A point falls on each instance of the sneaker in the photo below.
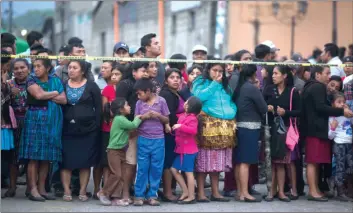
(105, 200)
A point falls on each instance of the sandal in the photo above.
(67, 198)
(83, 198)
(129, 201)
(153, 202)
(119, 202)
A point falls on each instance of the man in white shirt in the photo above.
(330, 56)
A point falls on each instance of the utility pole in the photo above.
(256, 24)
(10, 16)
(334, 22)
(292, 35)
(62, 18)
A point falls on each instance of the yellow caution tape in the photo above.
(165, 60)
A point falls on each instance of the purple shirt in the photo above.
(152, 128)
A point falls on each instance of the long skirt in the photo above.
(216, 141)
(80, 152)
(41, 135)
(209, 160)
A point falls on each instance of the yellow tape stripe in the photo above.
(165, 60)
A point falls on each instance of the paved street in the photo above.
(20, 204)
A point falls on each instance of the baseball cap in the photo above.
(271, 45)
(297, 57)
(121, 45)
(347, 59)
(199, 48)
(134, 49)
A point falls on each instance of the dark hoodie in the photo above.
(316, 110)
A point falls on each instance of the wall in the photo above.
(185, 36)
(313, 31)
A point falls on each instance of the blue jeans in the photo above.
(150, 160)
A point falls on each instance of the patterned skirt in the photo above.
(216, 140)
(39, 141)
(209, 160)
(215, 133)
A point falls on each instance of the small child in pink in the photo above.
(186, 148)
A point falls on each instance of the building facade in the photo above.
(314, 29)
(185, 24)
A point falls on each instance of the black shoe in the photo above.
(256, 200)
(286, 199)
(317, 199)
(48, 197)
(37, 199)
(219, 199)
(182, 202)
(292, 197)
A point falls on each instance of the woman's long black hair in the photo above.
(285, 69)
(248, 71)
(206, 74)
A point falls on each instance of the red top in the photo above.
(185, 76)
(109, 93)
(185, 136)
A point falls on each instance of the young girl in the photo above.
(186, 148)
(150, 142)
(108, 95)
(340, 131)
(118, 141)
(152, 73)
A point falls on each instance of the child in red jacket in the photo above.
(186, 148)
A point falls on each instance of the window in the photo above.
(174, 24)
(103, 41)
(192, 20)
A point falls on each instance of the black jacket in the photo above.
(85, 116)
(316, 110)
(172, 102)
(125, 89)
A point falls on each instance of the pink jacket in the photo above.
(185, 136)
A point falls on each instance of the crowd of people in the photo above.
(161, 125)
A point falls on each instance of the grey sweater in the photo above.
(250, 103)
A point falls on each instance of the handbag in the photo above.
(278, 134)
(292, 133)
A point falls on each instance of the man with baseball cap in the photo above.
(273, 47)
(199, 52)
(136, 52)
(121, 50)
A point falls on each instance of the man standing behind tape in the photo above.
(75, 49)
(330, 56)
(152, 49)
